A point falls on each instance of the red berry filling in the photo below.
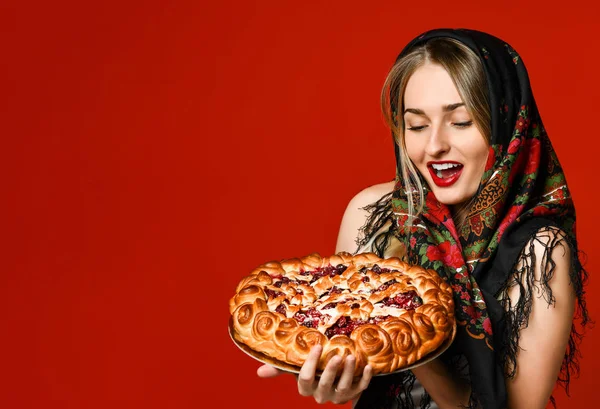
(325, 271)
(384, 285)
(345, 325)
(310, 318)
(407, 301)
(332, 290)
(284, 280)
(272, 293)
(376, 269)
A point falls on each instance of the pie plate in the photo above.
(283, 366)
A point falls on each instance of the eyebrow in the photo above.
(445, 108)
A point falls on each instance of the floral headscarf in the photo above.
(523, 194)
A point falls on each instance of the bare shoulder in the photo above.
(548, 248)
(545, 264)
(369, 195)
(355, 216)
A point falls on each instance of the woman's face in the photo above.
(441, 138)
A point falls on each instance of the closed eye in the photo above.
(463, 124)
(416, 128)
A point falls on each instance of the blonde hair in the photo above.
(466, 71)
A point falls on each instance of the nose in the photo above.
(437, 142)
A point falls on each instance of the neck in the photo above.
(459, 214)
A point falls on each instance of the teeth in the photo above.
(444, 166)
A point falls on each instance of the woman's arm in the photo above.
(445, 388)
(544, 341)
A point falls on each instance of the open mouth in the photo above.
(445, 174)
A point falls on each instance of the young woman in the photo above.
(481, 198)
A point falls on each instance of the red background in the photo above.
(153, 153)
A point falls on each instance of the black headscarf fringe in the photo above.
(380, 215)
(517, 315)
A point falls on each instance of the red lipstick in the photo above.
(444, 181)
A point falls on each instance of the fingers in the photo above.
(344, 386)
(366, 378)
(325, 389)
(268, 371)
(306, 377)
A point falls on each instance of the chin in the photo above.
(451, 200)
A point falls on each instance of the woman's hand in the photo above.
(268, 371)
(324, 388)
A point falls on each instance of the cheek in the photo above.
(414, 150)
(479, 155)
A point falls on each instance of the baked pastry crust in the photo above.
(385, 312)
